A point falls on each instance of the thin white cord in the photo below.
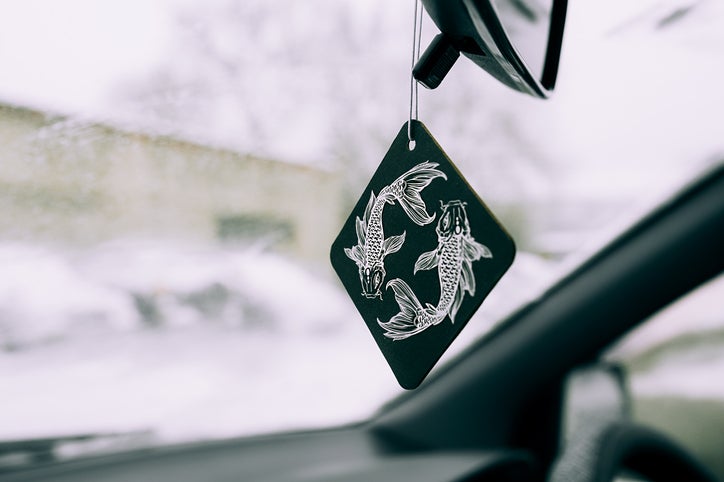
(416, 40)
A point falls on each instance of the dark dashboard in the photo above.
(347, 455)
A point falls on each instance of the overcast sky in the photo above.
(627, 90)
(49, 60)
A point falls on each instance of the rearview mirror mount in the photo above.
(516, 41)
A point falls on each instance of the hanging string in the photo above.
(416, 40)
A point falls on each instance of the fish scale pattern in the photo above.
(449, 270)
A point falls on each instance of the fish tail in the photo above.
(403, 324)
(407, 188)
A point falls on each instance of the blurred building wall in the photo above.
(78, 182)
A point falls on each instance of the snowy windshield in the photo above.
(173, 173)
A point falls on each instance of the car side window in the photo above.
(674, 364)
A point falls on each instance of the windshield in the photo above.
(173, 173)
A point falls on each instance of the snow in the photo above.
(83, 357)
(126, 285)
(55, 45)
(65, 298)
(190, 383)
(270, 347)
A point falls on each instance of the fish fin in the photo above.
(427, 260)
(355, 254)
(393, 244)
(467, 278)
(368, 209)
(415, 180)
(459, 295)
(473, 251)
(405, 297)
(397, 334)
(361, 229)
(402, 325)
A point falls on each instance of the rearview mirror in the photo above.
(516, 41)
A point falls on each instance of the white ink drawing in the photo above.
(372, 247)
(453, 257)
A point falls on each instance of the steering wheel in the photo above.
(601, 456)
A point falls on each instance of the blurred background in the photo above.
(173, 173)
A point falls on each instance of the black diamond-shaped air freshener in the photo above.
(419, 254)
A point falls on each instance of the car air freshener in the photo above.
(418, 254)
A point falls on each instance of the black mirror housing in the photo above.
(475, 29)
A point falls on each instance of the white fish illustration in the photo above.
(453, 257)
(372, 247)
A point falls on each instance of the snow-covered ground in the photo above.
(188, 383)
(188, 342)
(48, 294)
(191, 342)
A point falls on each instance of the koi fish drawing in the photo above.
(453, 257)
(372, 247)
